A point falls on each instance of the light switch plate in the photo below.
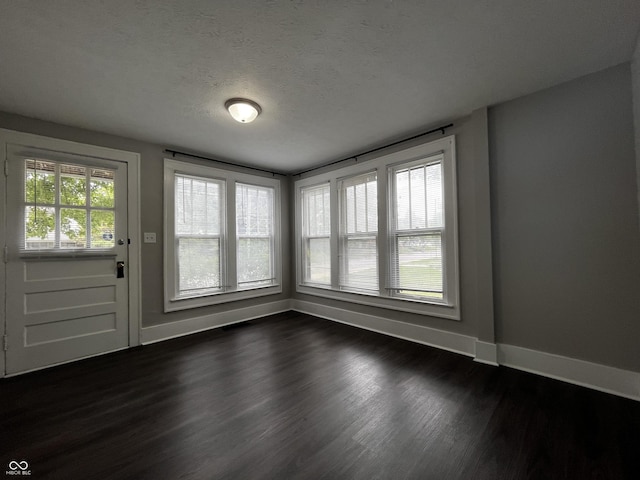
(149, 237)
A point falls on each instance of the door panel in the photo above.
(65, 215)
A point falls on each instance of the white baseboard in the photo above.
(453, 342)
(607, 379)
(165, 331)
(486, 353)
(619, 382)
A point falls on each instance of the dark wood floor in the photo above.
(296, 397)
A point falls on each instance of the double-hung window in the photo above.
(255, 235)
(222, 235)
(383, 232)
(316, 235)
(198, 235)
(417, 229)
(358, 232)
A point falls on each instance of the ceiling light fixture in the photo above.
(243, 110)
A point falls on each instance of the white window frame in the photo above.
(270, 237)
(344, 236)
(230, 291)
(57, 206)
(306, 239)
(448, 307)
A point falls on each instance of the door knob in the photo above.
(119, 269)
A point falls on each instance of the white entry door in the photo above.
(66, 257)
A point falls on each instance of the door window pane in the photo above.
(40, 182)
(73, 228)
(102, 191)
(102, 228)
(40, 228)
(56, 197)
(73, 185)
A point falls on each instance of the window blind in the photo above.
(199, 207)
(358, 206)
(255, 234)
(316, 234)
(67, 207)
(418, 230)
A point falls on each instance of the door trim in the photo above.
(132, 159)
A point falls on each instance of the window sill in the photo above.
(432, 309)
(69, 253)
(173, 305)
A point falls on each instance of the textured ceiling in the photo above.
(333, 78)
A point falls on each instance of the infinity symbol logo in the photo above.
(23, 465)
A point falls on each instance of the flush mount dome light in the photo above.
(243, 110)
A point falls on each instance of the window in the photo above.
(67, 206)
(221, 236)
(255, 235)
(199, 235)
(358, 207)
(316, 236)
(417, 230)
(383, 232)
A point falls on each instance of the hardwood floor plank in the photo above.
(296, 397)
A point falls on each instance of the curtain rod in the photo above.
(439, 129)
(185, 154)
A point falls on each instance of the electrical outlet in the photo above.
(149, 237)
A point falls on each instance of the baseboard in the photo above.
(486, 353)
(452, 342)
(165, 331)
(619, 382)
(607, 379)
(73, 360)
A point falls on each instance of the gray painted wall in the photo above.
(152, 215)
(566, 240)
(635, 73)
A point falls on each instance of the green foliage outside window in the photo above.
(40, 196)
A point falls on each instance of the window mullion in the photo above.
(87, 207)
(334, 247)
(410, 197)
(366, 206)
(230, 263)
(383, 233)
(56, 209)
(426, 196)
